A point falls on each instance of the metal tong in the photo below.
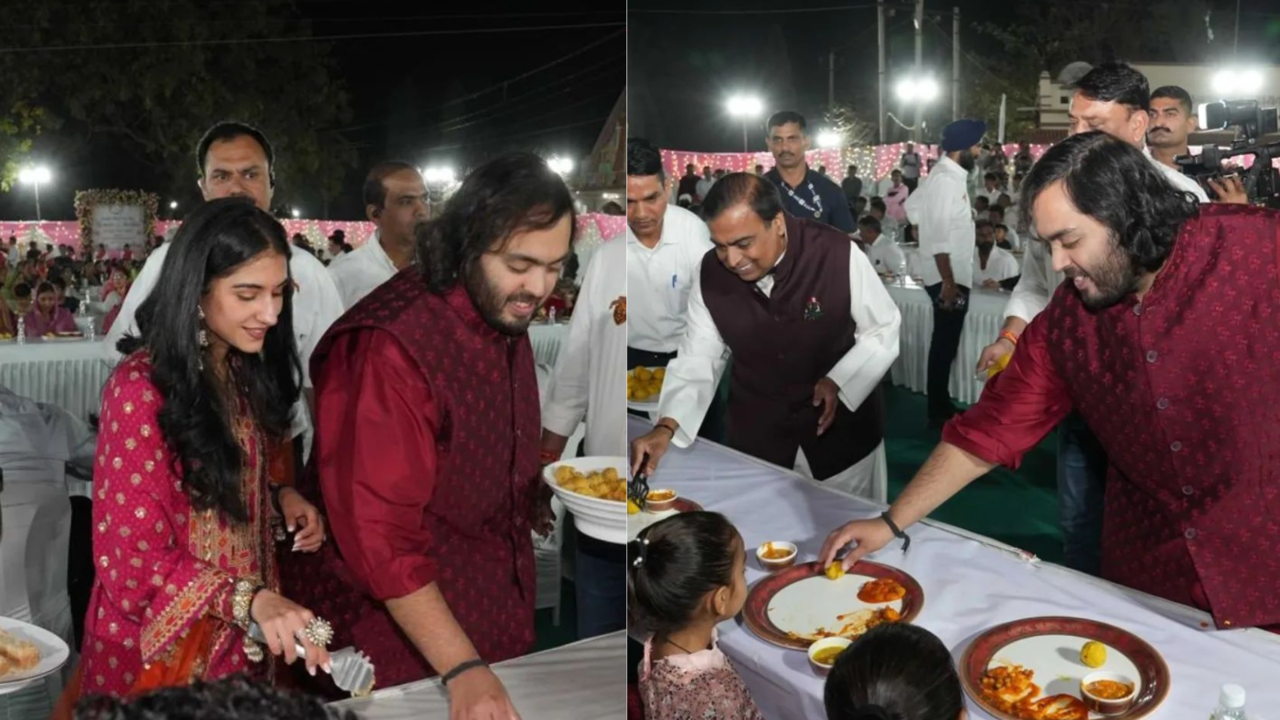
(638, 488)
(351, 669)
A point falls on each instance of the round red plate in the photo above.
(755, 613)
(1151, 666)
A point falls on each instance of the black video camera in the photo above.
(1261, 181)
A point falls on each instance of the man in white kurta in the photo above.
(693, 376)
(395, 199)
(885, 255)
(992, 264)
(942, 210)
(236, 163)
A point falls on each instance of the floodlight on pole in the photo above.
(830, 139)
(746, 108)
(35, 177)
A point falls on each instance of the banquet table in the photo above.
(981, 328)
(970, 584)
(546, 339)
(66, 373)
(585, 680)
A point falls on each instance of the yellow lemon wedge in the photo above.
(835, 570)
(1093, 654)
(632, 507)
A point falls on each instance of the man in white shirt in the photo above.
(1173, 119)
(992, 264)
(943, 213)
(395, 200)
(236, 160)
(885, 255)
(587, 382)
(991, 189)
(805, 377)
(665, 245)
(911, 165)
(707, 182)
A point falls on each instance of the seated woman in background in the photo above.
(46, 316)
(115, 290)
(8, 323)
(895, 671)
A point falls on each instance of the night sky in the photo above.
(685, 64)
(431, 100)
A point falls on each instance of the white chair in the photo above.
(33, 581)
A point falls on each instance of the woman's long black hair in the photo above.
(512, 193)
(213, 241)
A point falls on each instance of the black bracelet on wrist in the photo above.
(665, 427)
(897, 531)
(461, 668)
(275, 490)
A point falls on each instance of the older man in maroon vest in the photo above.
(1167, 341)
(812, 331)
(427, 450)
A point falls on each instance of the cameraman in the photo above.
(1172, 122)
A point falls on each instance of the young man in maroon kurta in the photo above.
(1167, 340)
(427, 442)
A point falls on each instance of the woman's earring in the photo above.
(202, 336)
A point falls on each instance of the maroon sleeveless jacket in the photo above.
(783, 344)
(484, 385)
(1183, 391)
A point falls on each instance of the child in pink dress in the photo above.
(685, 575)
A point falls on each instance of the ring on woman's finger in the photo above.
(319, 632)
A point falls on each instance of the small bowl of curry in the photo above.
(1108, 693)
(823, 654)
(660, 500)
(775, 555)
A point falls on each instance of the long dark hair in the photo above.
(213, 241)
(894, 671)
(513, 193)
(1114, 183)
(673, 564)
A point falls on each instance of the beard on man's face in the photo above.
(490, 303)
(967, 160)
(1113, 280)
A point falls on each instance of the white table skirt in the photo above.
(586, 679)
(68, 374)
(981, 328)
(970, 584)
(546, 341)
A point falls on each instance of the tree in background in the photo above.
(149, 76)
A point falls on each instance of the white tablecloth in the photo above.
(68, 374)
(584, 681)
(970, 585)
(546, 341)
(981, 328)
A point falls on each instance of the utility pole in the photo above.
(955, 64)
(880, 41)
(831, 80)
(919, 23)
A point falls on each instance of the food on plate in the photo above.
(1006, 686)
(882, 591)
(660, 495)
(17, 654)
(769, 552)
(1093, 654)
(601, 484)
(632, 507)
(835, 570)
(643, 383)
(856, 624)
(1109, 689)
(1011, 689)
(827, 656)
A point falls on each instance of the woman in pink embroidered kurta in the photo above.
(183, 507)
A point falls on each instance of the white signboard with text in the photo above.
(118, 225)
